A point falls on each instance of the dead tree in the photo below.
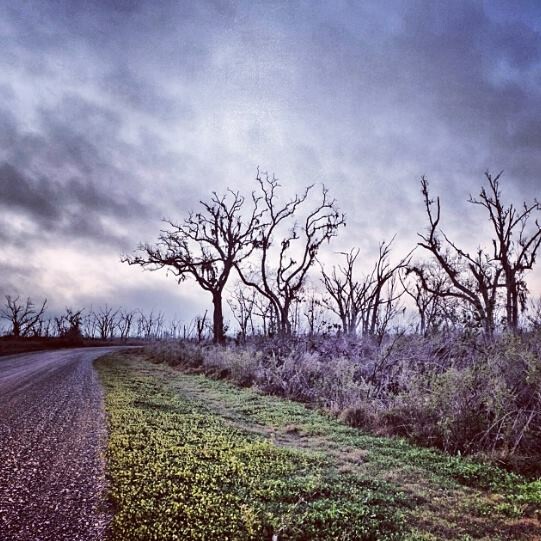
(206, 246)
(281, 283)
(369, 303)
(89, 324)
(46, 327)
(105, 319)
(382, 295)
(188, 330)
(264, 310)
(383, 307)
(347, 294)
(125, 322)
(75, 320)
(515, 245)
(534, 315)
(42, 327)
(200, 325)
(174, 328)
(314, 312)
(150, 326)
(24, 317)
(242, 305)
(474, 280)
(60, 325)
(68, 324)
(434, 310)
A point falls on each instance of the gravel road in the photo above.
(52, 438)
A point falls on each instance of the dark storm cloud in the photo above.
(62, 177)
(172, 36)
(475, 73)
(442, 63)
(35, 198)
(74, 132)
(72, 173)
(74, 209)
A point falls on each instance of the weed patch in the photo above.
(178, 472)
(195, 458)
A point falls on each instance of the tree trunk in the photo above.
(218, 319)
(422, 323)
(489, 325)
(283, 320)
(349, 325)
(512, 303)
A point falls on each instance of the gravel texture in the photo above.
(52, 441)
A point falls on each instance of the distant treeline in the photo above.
(23, 318)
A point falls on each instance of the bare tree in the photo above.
(188, 330)
(383, 305)
(46, 327)
(242, 305)
(282, 282)
(24, 317)
(88, 323)
(314, 312)
(348, 296)
(382, 296)
(68, 324)
(515, 245)
(434, 310)
(206, 246)
(125, 322)
(105, 318)
(150, 326)
(60, 325)
(264, 310)
(371, 302)
(472, 279)
(534, 315)
(200, 325)
(174, 328)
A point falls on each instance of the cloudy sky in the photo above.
(114, 114)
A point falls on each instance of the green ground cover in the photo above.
(194, 458)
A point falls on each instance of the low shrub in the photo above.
(176, 353)
(491, 407)
(458, 393)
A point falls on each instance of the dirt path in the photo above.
(52, 435)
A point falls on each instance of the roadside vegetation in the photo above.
(194, 458)
(459, 394)
(180, 471)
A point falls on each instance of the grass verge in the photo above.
(194, 458)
